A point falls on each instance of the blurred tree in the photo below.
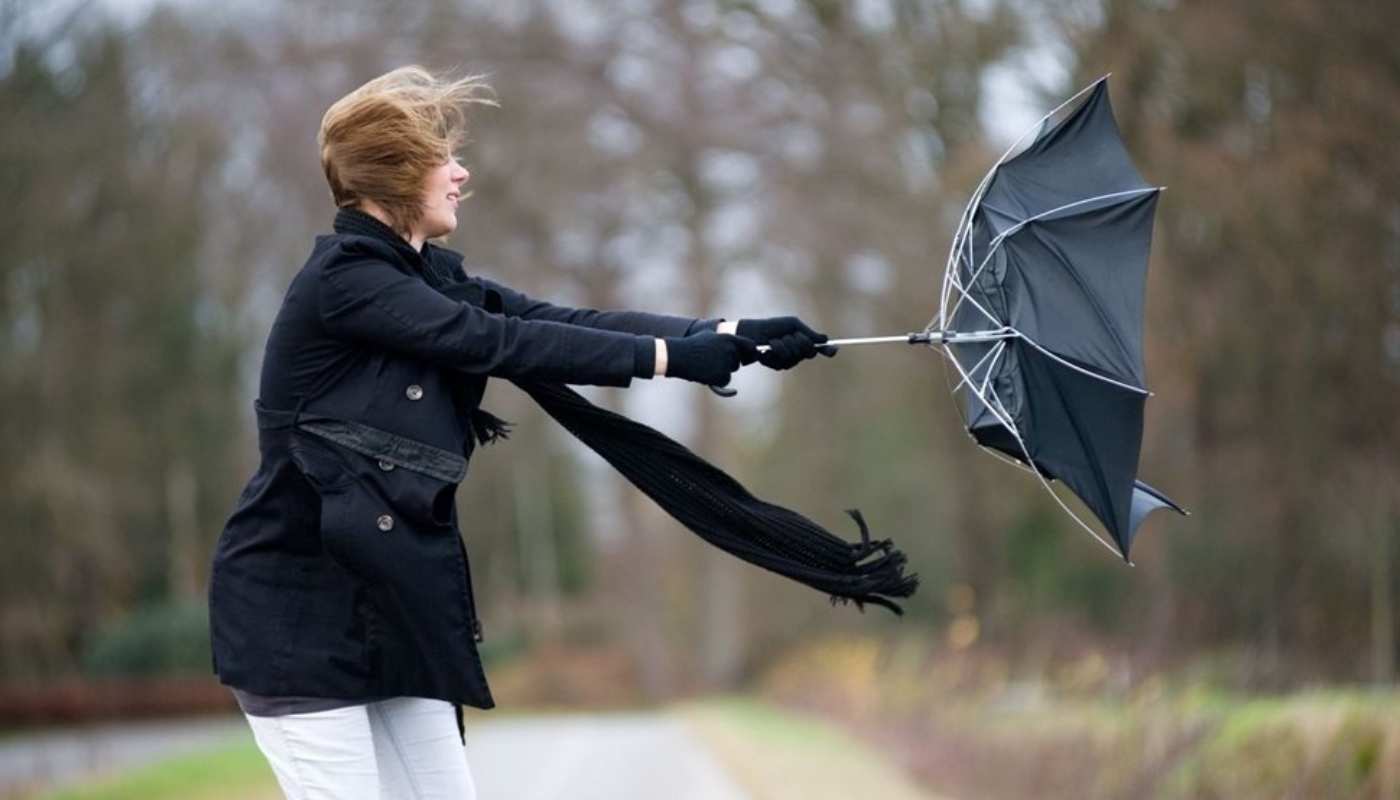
(119, 371)
(1276, 298)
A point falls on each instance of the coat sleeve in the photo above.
(518, 304)
(364, 300)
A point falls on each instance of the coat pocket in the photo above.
(415, 480)
(386, 500)
(359, 530)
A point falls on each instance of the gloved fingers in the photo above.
(828, 350)
(723, 367)
(780, 327)
(747, 350)
(777, 355)
(806, 330)
(788, 351)
(797, 347)
(767, 329)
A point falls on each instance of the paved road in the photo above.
(594, 756)
(575, 756)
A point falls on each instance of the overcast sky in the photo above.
(1011, 88)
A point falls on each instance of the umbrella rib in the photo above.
(961, 250)
(965, 295)
(1004, 420)
(998, 349)
(980, 361)
(1005, 459)
(961, 234)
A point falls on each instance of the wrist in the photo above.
(662, 356)
(728, 326)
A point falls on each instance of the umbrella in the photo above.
(1041, 313)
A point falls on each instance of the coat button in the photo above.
(414, 391)
(385, 522)
(386, 465)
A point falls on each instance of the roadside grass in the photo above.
(775, 753)
(1337, 743)
(973, 724)
(232, 771)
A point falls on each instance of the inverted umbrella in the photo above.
(1041, 312)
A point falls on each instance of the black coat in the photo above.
(341, 571)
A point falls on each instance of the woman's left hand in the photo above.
(790, 340)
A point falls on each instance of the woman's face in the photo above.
(441, 191)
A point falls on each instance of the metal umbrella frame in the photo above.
(974, 351)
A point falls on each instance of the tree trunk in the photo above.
(1383, 602)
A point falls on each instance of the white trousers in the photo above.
(403, 748)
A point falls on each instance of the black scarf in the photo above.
(699, 495)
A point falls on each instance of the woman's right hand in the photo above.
(709, 358)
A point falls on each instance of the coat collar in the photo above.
(354, 221)
(427, 262)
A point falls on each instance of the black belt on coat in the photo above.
(394, 448)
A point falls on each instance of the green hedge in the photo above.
(164, 639)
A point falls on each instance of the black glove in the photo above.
(708, 357)
(789, 339)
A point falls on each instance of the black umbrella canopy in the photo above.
(1050, 265)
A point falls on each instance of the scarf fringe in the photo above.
(488, 428)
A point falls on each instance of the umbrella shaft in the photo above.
(926, 337)
(875, 340)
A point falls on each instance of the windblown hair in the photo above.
(380, 141)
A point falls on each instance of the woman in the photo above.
(341, 608)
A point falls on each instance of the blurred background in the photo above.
(701, 157)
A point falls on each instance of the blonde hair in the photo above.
(380, 141)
